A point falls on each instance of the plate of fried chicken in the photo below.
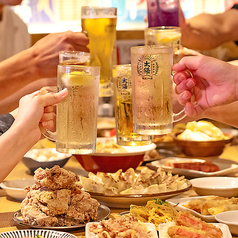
(57, 201)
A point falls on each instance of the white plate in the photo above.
(102, 213)
(124, 201)
(179, 202)
(224, 228)
(15, 188)
(226, 167)
(219, 186)
(150, 226)
(33, 233)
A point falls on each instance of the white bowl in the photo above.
(219, 186)
(229, 218)
(15, 188)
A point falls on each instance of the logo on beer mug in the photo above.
(123, 84)
(147, 67)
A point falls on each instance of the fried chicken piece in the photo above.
(55, 178)
(48, 206)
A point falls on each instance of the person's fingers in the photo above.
(49, 109)
(80, 41)
(53, 98)
(190, 63)
(193, 110)
(184, 97)
(187, 84)
(47, 117)
(48, 125)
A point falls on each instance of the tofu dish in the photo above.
(57, 199)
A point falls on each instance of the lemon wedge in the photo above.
(77, 78)
(168, 37)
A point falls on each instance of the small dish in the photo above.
(179, 203)
(219, 186)
(15, 188)
(34, 233)
(230, 218)
(225, 167)
(150, 226)
(33, 164)
(203, 148)
(224, 228)
(102, 213)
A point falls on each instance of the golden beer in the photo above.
(124, 114)
(100, 26)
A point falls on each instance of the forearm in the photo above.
(207, 31)
(13, 145)
(226, 114)
(17, 71)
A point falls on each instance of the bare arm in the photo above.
(39, 61)
(207, 31)
(12, 101)
(25, 131)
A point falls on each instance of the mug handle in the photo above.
(47, 133)
(179, 116)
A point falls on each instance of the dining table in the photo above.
(8, 205)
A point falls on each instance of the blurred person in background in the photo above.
(207, 31)
(37, 62)
(14, 38)
(24, 70)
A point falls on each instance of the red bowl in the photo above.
(112, 162)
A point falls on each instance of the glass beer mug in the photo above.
(76, 121)
(152, 88)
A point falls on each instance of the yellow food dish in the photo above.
(202, 131)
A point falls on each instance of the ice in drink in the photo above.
(165, 35)
(152, 89)
(77, 114)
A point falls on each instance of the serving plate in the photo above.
(33, 233)
(226, 167)
(125, 200)
(150, 226)
(224, 228)
(179, 202)
(102, 213)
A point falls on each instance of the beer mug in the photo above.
(99, 23)
(168, 35)
(152, 88)
(74, 58)
(123, 105)
(76, 120)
